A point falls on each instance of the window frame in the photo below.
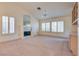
(2, 26)
(45, 27)
(9, 26)
(51, 26)
(63, 26)
(41, 27)
(56, 27)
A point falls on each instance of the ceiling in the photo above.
(52, 8)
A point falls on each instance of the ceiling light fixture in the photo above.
(45, 13)
(38, 8)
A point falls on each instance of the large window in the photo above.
(4, 24)
(7, 25)
(56, 26)
(12, 25)
(60, 26)
(46, 27)
(43, 26)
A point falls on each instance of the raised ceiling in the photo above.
(52, 8)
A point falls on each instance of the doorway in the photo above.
(27, 25)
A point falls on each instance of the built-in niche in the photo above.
(27, 25)
(75, 13)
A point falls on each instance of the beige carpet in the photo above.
(36, 46)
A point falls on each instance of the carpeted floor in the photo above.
(36, 46)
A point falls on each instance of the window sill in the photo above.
(8, 34)
(52, 32)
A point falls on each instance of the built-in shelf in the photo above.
(75, 21)
(75, 13)
(73, 36)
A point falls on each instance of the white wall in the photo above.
(35, 26)
(67, 26)
(10, 11)
(18, 13)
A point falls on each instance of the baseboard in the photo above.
(55, 36)
(10, 40)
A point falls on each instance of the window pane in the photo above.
(4, 24)
(12, 25)
(47, 27)
(43, 26)
(54, 26)
(60, 26)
